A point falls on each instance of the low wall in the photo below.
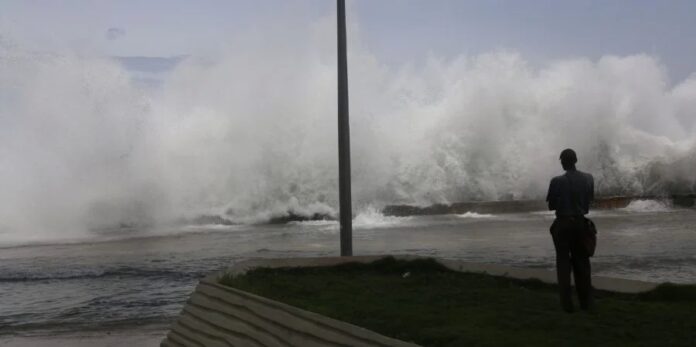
(217, 315)
(520, 206)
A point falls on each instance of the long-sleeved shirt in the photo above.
(571, 194)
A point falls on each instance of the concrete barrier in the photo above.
(521, 206)
(217, 315)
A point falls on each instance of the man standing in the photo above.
(570, 196)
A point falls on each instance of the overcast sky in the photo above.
(395, 30)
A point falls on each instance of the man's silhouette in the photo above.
(570, 196)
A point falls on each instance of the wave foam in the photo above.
(372, 218)
(369, 217)
(647, 206)
(475, 215)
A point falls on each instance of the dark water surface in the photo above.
(146, 279)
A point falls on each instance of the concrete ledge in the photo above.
(217, 315)
(618, 285)
(519, 206)
(599, 282)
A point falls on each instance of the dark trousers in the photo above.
(570, 257)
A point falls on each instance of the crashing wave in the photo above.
(474, 215)
(648, 206)
(83, 146)
(372, 218)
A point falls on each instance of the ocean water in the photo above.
(134, 278)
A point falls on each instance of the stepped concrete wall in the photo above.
(217, 315)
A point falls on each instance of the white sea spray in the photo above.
(251, 133)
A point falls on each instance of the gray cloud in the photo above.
(114, 33)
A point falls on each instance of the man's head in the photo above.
(568, 159)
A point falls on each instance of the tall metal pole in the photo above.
(344, 195)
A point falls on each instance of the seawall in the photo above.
(520, 206)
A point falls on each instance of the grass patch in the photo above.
(434, 306)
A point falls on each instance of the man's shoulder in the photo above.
(587, 175)
(557, 179)
(561, 178)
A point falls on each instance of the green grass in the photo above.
(435, 306)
